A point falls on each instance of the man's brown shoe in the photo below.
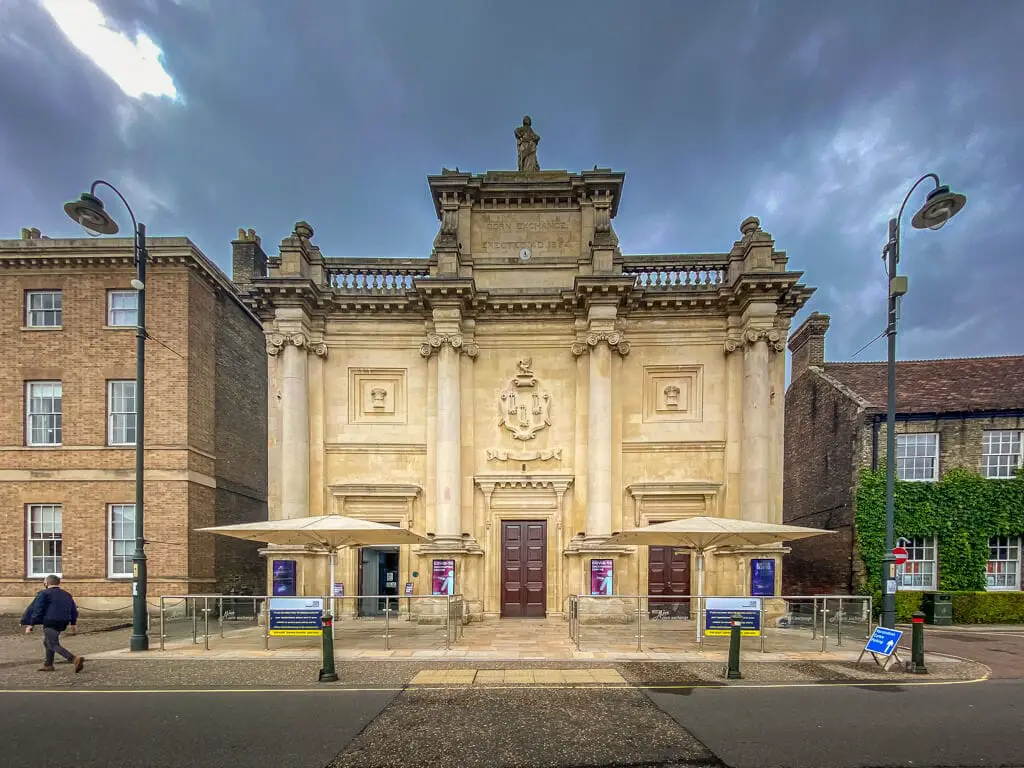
(78, 662)
(46, 668)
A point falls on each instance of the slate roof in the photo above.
(938, 386)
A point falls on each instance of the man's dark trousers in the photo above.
(51, 642)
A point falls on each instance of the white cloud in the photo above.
(146, 199)
(134, 66)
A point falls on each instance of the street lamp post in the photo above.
(940, 206)
(88, 211)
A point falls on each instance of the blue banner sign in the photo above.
(296, 616)
(284, 577)
(720, 611)
(883, 641)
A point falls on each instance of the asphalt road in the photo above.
(1002, 651)
(877, 726)
(181, 730)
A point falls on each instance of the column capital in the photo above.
(277, 341)
(435, 341)
(613, 339)
(773, 336)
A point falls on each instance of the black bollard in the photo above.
(733, 672)
(327, 673)
(916, 663)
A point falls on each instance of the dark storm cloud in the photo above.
(816, 117)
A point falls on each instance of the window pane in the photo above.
(121, 410)
(45, 544)
(122, 538)
(122, 308)
(1003, 569)
(1001, 453)
(917, 456)
(43, 309)
(44, 419)
(919, 570)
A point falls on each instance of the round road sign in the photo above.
(900, 553)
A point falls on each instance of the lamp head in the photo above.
(88, 211)
(940, 207)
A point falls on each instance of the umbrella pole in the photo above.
(700, 590)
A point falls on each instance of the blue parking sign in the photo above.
(883, 641)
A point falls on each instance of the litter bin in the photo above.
(938, 608)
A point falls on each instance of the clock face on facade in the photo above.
(525, 254)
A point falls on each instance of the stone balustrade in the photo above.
(675, 272)
(376, 276)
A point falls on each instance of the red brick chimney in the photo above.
(807, 344)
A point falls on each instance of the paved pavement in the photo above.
(961, 725)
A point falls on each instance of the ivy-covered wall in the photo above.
(963, 509)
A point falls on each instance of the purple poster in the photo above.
(444, 577)
(602, 574)
(762, 577)
(284, 578)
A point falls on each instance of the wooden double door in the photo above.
(524, 569)
(668, 583)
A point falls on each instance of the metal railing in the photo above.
(786, 620)
(366, 612)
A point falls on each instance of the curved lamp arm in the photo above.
(116, 191)
(903, 205)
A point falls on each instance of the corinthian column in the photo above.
(294, 420)
(599, 429)
(756, 435)
(449, 433)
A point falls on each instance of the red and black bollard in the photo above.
(733, 671)
(916, 664)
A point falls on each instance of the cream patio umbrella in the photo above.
(703, 534)
(329, 532)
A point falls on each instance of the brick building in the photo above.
(67, 433)
(966, 412)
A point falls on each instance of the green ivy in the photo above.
(963, 509)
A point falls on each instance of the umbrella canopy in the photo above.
(331, 532)
(703, 533)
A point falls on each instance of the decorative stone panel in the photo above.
(673, 393)
(377, 396)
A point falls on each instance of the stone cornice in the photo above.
(456, 341)
(392, 490)
(277, 341)
(613, 339)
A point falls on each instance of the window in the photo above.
(122, 540)
(1000, 453)
(917, 457)
(44, 539)
(919, 570)
(43, 309)
(43, 412)
(121, 413)
(122, 308)
(1003, 571)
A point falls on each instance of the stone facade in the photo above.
(526, 370)
(205, 419)
(835, 428)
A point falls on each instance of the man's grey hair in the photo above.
(52, 580)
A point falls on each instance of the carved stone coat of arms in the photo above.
(525, 409)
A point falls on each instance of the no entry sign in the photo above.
(900, 553)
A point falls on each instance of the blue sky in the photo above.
(817, 117)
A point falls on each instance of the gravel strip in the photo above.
(524, 727)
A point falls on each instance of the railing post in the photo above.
(161, 623)
(448, 624)
(266, 623)
(764, 620)
(639, 625)
(824, 622)
(387, 624)
(220, 610)
(814, 618)
(206, 623)
(195, 620)
(839, 624)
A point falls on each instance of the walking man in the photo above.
(55, 609)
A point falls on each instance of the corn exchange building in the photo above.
(523, 392)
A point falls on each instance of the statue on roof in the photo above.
(526, 141)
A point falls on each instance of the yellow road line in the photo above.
(434, 687)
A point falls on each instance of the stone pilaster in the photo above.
(448, 497)
(293, 349)
(599, 428)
